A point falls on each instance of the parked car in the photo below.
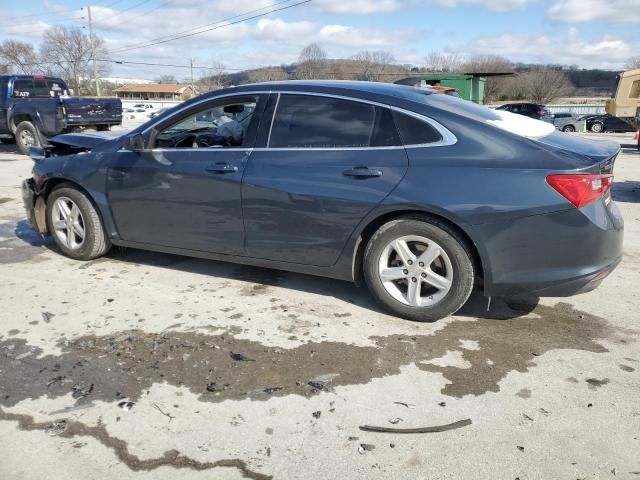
(35, 107)
(566, 122)
(415, 194)
(158, 112)
(532, 110)
(144, 106)
(606, 123)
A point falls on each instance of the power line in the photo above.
(217, 26)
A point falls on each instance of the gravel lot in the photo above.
(152, 366)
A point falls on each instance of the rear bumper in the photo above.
(554, 255)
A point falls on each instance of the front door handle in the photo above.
(362, 172)
(222, 168)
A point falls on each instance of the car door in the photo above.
(183, 191)
(327, 162)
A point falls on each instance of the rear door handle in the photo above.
(362, 172)
(222, 168)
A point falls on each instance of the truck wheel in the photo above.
(27, 136)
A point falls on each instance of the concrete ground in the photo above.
(151, 366)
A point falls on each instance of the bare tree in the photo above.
(494, 86)
(312, 62)
(633, 63)
(375, 66)
(212, 78)
(19, 56)
(68, 53)
(542, 86)
(166, 79)
(267, 74)
(442, 62)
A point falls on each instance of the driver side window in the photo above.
(222, 126)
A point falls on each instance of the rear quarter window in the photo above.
(414, 131)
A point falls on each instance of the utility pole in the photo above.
(191, 64)
(93, 51)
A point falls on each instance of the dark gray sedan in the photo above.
(415, 193)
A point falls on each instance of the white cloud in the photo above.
(605, 52)
(611, 11)
(360, 7)
(495, 5)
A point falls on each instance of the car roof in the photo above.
(368, 90)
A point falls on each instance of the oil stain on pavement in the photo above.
(222, 367)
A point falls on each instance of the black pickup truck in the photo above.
(34, 108)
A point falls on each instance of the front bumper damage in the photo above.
(34, 206)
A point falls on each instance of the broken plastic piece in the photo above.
(56, 428)
(435, 429)
(126, 405)
(365, 447)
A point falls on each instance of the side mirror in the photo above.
(135, 143)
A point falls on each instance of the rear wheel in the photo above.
(569, 128)
(419, 268)
(75, 224)
(27, 136)
(597, 127)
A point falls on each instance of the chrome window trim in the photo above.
(448, 138)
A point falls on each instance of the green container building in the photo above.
(470, 86)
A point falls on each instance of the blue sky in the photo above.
(589, 33)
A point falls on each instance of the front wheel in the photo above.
(75, 224)
(27, 136)
(419, 268)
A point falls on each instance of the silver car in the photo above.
(565, 121)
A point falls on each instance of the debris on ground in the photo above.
(520, 448)
(47, 316)
(325, 378)
(392, 445)
(126, 405)
(238, 357)
(434, 429)
(171, 417)
(404, 404)
(81, 391)
(365, 447)
(527, 417)
(264, 391)
(443, 404)
(56, 428)
(57, 379)
(319, 386)
(212, 387)
(395, 421)
(353, 439)
(316, 414)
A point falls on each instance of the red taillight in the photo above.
(581, 189)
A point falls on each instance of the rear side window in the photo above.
(303, 121)
(23, 88)
(414, 131)
(635, 89)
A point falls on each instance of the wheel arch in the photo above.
(374, 224)
(52, 183)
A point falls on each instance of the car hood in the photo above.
(88, 140)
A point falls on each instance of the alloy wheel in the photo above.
(68, 223)
(415, 271)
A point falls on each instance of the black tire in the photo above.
(96, 243)
(597, 127)
(26, 130)
(454, 245)
(569, 128)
